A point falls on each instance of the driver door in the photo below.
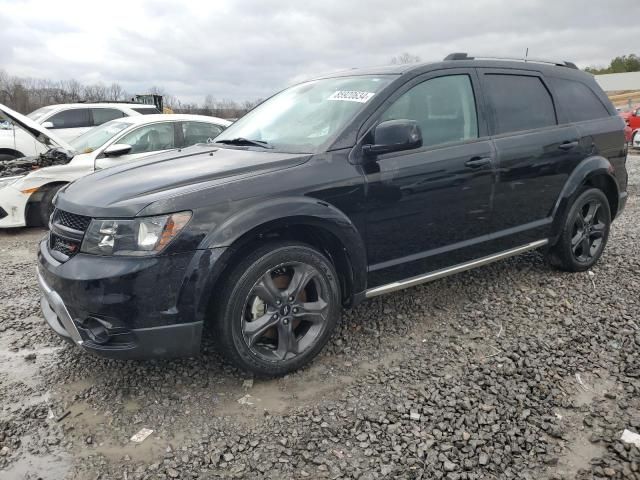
(430, 207)
(144, 141)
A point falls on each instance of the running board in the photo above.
(445, 272)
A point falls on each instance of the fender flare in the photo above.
(588, 168)
(294, 210)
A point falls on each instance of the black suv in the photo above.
(330, 192)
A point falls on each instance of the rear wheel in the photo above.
(585, 232)
(46, 204)
(278, 309)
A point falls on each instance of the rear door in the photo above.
(199, 132)
(535, 154)
(71, 123)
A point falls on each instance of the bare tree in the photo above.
(405, 57)
(27, 94)
(115, 93)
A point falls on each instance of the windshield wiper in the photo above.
(245, 141)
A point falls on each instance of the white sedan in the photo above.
(29, 184)
(69, 120)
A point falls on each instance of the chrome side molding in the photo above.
(445, 272)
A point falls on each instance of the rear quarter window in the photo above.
(519, 102)
(578, 101)
(104, 115)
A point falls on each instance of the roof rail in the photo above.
(129, 102)
(465, 56)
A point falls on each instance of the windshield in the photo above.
(39, 113)
(303, 117)
(97, 137)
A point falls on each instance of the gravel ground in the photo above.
(513, 370)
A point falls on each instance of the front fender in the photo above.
(291, 211)
(588, 168)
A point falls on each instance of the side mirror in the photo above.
(116, 150)
(394, 136)
(47, 125)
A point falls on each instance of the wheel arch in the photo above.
(31, 216)
(594, 171)
(11, 151)
(306, 220)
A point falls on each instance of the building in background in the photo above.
(623, 88)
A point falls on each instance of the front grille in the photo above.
(67, 231)
(63, 245)
(71, 220)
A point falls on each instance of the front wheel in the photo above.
(585, 232)
(278, 308)
(46, 204)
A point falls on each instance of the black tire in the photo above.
(46, 204)
(584, 234)
(245, 333)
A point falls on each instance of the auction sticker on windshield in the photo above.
(351, 96)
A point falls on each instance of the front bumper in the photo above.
(13, 203)
(125, 308)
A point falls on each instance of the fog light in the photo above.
(97, 330)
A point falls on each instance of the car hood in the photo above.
(36, 130)
(123, 191)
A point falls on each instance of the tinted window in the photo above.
(196, 132)
(150, 138)
(147, 111)
(519, 102)
(103, 115)
(74, 118)
(578, 100)
(444, 107)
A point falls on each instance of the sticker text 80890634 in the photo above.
(351, 96)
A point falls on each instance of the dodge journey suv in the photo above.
(330, 192)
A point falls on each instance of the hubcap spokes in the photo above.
(285, 311)
(588, 232)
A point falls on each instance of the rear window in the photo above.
(520, 103)
(41, 112)
(578, 100)
(147, 111)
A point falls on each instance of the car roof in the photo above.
(417, 68)
(160, 117)
(101, 104)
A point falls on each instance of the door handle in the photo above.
(477, 162)
(568, 145)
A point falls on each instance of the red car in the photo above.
(631, 117)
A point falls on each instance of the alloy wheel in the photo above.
(588, 231)
(285, 312)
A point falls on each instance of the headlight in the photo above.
(9, 180)
(140, 236)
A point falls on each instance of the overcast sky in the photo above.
(247, 49)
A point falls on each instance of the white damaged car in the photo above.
(28, 185)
